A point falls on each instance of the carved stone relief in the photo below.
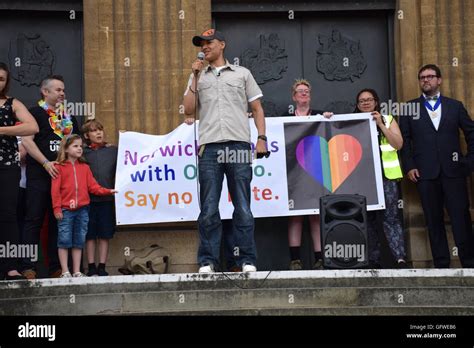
(31, 59)
(269, 62)
(339, 58)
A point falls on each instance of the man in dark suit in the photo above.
(432, 158)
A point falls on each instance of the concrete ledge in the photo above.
(327, 292)
(270, 275)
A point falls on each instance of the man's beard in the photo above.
(428, 88)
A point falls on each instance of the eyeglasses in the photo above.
(303, 91)
(427, 77)
(368, 100)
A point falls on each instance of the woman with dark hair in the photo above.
(15, 120)
(390, 140)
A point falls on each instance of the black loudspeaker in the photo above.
(344, 241)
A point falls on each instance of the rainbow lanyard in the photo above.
(60, 122)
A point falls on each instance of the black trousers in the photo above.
(451, 193)
(38, 204)
(21, 209)
(9, 181)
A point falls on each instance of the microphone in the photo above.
(200, 56)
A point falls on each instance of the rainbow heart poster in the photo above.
(329, 163)
(335, 157)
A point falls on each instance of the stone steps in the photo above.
(328, 292)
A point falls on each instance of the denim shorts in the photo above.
(101, 220)
(72, 229)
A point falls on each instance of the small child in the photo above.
(70, 194)
(102, 159)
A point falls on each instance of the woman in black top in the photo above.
(301, 92)
(12, 112)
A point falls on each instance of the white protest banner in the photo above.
(310, 157)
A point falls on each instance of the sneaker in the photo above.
(65, 275)
(79, 275)
(29, 274)
(318, 264)
(101, 272)
(249, 268)
(402, 264)
(296, 265)
(206, 269)
(92, 271)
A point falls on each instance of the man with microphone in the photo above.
(221, 92)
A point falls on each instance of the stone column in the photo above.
(137, 58)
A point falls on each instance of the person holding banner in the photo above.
(301, 93)
(433, 160)
(390, 140)
(219, 94)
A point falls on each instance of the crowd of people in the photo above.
(428, 141)
(49, 167)
(44, 174)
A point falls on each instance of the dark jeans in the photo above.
(451, 193)
(228, 247)
(21, 209)
(9, 181)
(38, 203)
(239, 175)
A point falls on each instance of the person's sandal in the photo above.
(29, 274)
(66, 275)
(296, 265)
(318, 264)
(79, 275)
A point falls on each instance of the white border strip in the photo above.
(274, 275)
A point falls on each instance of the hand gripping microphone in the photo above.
(200, 56)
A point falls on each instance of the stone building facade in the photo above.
(137, 56)
(156, 35)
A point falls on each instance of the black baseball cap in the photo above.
(209, 34)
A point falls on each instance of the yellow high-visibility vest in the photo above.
(390, 162)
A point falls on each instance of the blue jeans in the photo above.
(212, 168)
(72, 229)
